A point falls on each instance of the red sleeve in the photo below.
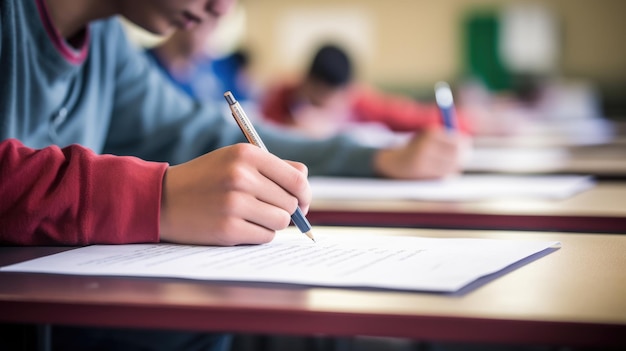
(72, 196)
(399, 113)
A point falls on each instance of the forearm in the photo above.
(72, 196)
(336, 156)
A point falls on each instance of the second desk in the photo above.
(601, 209)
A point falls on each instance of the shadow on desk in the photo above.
(18, 337)
(68, 338)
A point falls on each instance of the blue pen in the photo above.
(443, 95)
(253, 137)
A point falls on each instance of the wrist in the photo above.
(383, 163)
(164, 223)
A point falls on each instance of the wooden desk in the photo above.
(575, 296)
(601, 209)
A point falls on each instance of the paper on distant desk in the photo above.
(517, 159)
(463, 188)
(390, 262)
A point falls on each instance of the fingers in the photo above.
(224, 231)
(243, 219)
(304, 205)
(270, 179)
(441, 154)
(289, 177)
(301, 167)
(437, 154)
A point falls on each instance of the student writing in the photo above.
(74, 88)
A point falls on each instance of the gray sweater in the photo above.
(107, 97)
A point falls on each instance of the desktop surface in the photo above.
(601, 209)
(574, 296)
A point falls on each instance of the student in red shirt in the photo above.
(326, 101)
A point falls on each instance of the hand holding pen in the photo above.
(253, 138)
(237, 194)
(431, 153)
(445, 102)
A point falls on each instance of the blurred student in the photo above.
(326, 100)
(185, 60)
(324, 105)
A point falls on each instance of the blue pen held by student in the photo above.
(445, 101)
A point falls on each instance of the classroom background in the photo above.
(545, 66)
(408, 45)
(527, 67)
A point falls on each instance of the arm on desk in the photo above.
(63, 196)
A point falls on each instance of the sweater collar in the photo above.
(74, 53)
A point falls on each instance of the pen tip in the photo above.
(310, 235)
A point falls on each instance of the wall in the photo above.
(413, 43)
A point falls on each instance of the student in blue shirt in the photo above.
(184, 59)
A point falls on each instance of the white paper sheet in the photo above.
(462, 188)
(362, 260)
(517, 159)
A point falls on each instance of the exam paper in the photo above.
(461, 188)
(363, 260)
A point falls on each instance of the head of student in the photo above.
(329, 73)
(163, 17)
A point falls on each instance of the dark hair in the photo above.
(241, 57)
(331, 65)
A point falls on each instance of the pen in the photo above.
(443, 95)
(253, 137)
